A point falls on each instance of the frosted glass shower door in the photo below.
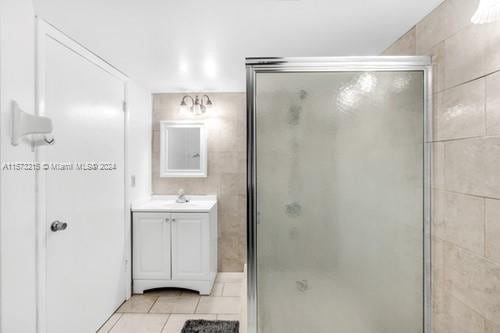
(338, 162)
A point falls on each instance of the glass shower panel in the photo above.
(339, 197)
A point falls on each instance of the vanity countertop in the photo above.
(166, 203)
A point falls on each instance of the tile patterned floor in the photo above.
(166, 310)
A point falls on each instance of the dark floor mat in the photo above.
(211, 326)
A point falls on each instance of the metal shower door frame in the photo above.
(334, 64)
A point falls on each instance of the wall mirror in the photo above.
(183, 149)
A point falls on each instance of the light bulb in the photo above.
(183, 107)
(196, 109)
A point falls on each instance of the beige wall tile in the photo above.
(233, 204)
(463, 52)
(438, 255)
(226, 127)
(233, 183)
(493, 104)
(452, 316)
(432, 29)
(464, 55)
(459, 219)
(224, 161)
(156, 144)
(459, 112)
(193, 186)
(473, 166)
(231, 244)
(438, 62)
(492, 327)
(491, 54)
(472, 53)
(406, 45)
(446, 20)
(438, 179)
(472, 279)
(493, 229)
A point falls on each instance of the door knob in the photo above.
(58, 226)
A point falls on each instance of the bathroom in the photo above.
(174, 167)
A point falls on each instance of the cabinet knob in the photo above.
(173, 219)
(167, 219)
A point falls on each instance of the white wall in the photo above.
(17, 208)
(139, 107)
(17, 189)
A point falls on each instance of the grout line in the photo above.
(197, 303)
(456, 298)
(489, 260)
(474, 137)
(469, 306)
(485, 107)
(482, 76)
(485, 226)
(477, 78)
(120, 315)
(166, 321)
(465, 194)
(153, 304)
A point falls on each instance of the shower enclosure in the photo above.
(338, 195)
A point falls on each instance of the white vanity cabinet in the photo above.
(151, 234)
(190, 246)
(174, 245)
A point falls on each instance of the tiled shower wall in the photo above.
(466, 167)
(226, 129)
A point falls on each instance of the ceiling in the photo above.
(201, 45)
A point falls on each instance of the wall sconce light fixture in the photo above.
(196, 105)
(487, 12)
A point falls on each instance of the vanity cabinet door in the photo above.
(190, 246)
(151, 246)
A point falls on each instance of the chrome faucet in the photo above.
(181, 196)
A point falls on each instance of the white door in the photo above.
(151, 258)
(190, 246)
(85, 279)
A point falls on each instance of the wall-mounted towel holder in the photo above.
(25, 124)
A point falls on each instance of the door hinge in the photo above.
(124, 106)
(125, 266)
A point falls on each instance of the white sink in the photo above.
(202, 203)
(184, 205)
